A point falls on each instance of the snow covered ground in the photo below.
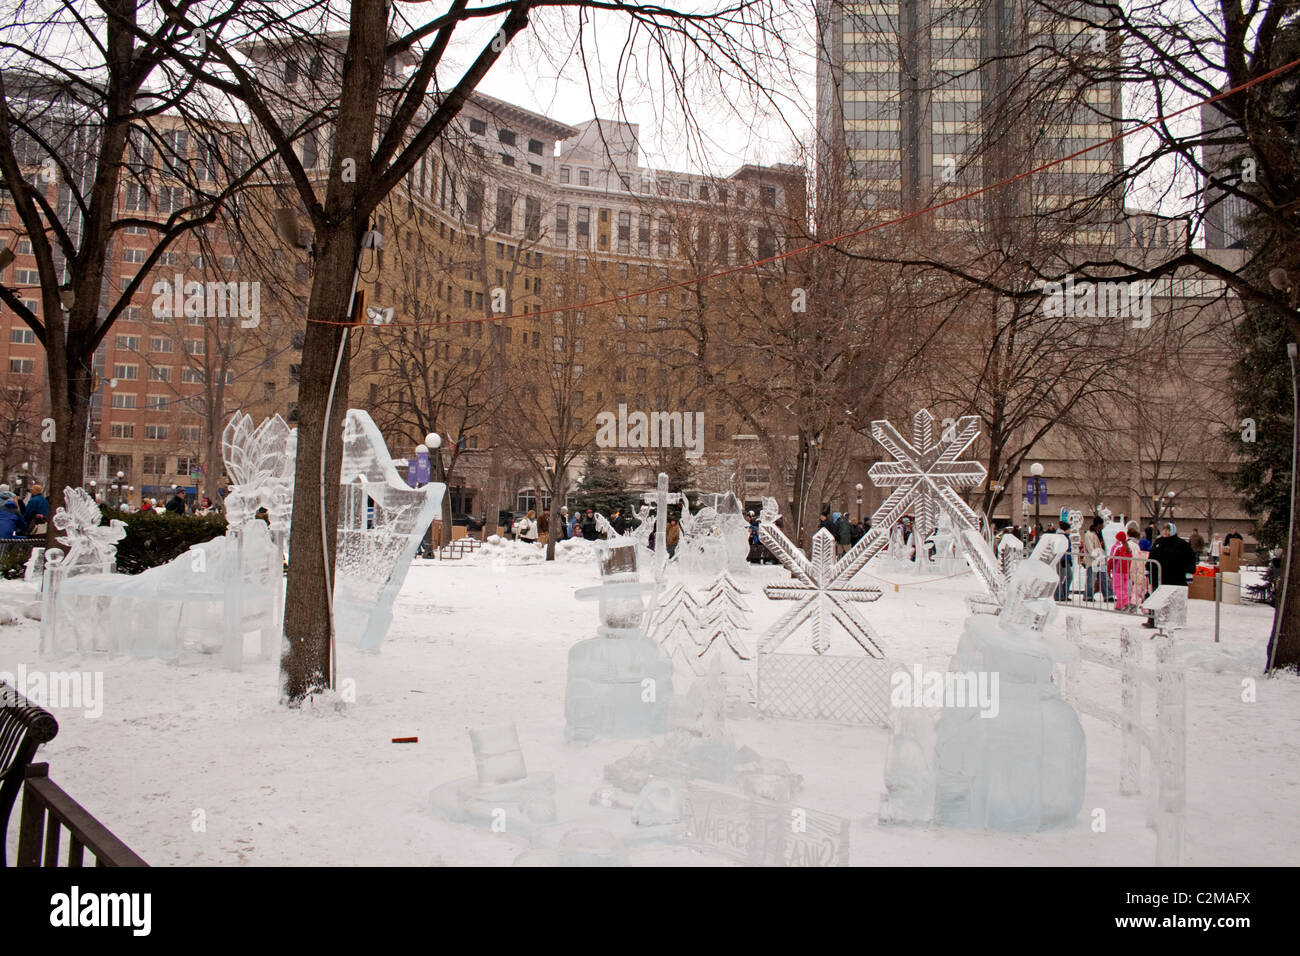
(191, 764)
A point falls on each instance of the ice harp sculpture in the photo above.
(381, 522)
(502, 795)
(1018, 767)
(620, 683)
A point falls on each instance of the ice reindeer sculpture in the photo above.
(1017, 766)
(381, 521)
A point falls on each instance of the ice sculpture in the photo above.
(925, 476)
(503, 796)
(208, 598)
(620, 683)
(381, 522)
(822, 587)
(697, 747)
(676, 627)
(661, 498)
(1011, 551)
(1168, 607)
(714, 538)
(92, 550)
(725, 614)
(1019, 766)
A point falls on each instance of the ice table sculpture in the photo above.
(620, 683)
(1019, 766)
(503, 796)
(381, 522)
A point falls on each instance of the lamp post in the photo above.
(858, 488)
(1036, 469)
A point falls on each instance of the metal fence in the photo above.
(1120, 584)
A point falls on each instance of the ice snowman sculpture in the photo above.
(620, 683)
(1017, 767)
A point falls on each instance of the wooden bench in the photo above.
(47, 811)
(23, 728)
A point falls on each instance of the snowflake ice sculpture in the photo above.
(822, 588)
(88, 542)
(260, 463)
(927, 472)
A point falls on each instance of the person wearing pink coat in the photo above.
(1119, 571)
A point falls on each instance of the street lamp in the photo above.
(858, 488)
(1036, 469)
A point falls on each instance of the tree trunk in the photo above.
(305, 666)
(69, 410)
(1284, 642)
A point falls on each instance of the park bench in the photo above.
(23, 728)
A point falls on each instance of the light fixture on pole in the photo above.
(858, 489)
(1036, 469)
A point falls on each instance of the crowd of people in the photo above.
(1123, 563)
(25, 514)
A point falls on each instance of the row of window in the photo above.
(479, 127)
(185, 433)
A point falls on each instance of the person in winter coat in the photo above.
(1196, 541)
(1094, 556)
(826, 523)
(526, 527)
(575, 526)
(1175, 556)
(37, 506)
(589, 525)
(844, 532)
(176, 505)
(1139, 584)
(673, 535)
(12, 524)
(1118, 570)
(543, 525)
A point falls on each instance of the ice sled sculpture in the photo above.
(620, 683)
(1021, 766)
(502, 795)
(381, 522)
(211, 596)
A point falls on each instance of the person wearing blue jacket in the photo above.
(37, 505)
(12, 524)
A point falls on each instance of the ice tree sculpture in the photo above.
(676, 628)
(725, 615)
(822, 587)
(381, 522)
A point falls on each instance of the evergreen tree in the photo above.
(602, 487)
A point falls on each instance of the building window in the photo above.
(562, 224)
(474, 201)
(122, 431)
(506, 136)
(535, 146)
(624, 232)
(155, 401)
(126, 372)
(131, 343)
(477, 126)
(584, 226)
(584, 177)
(22, 336)
(194, 376)
(534, 169)
(163, 374)
(155, 432)
(290, 72)
(565, 173)
(505, 210)
(507, 159)
(160, 343)
(123, 401)
(768, 196)
(22, 366)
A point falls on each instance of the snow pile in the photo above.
(499, 551)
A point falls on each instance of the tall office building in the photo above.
(924, 100)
